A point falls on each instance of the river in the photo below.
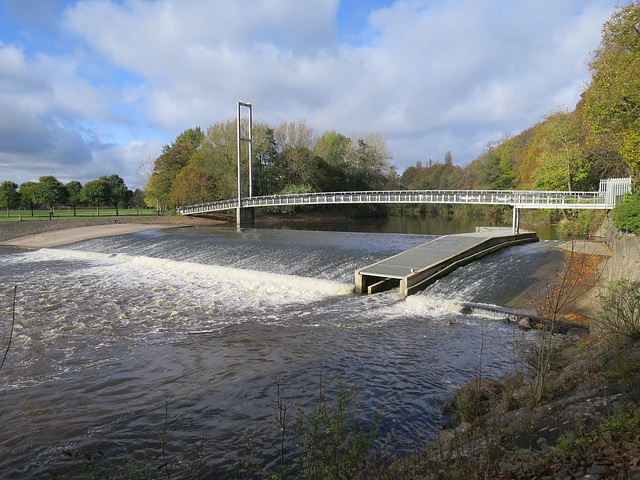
(186, 334)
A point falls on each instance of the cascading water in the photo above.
(203, 324)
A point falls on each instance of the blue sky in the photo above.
(95, 87)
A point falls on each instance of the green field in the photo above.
(83, 212)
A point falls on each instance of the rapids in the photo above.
(189, 332)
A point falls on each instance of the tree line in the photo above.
(201, 166)
(49, 192)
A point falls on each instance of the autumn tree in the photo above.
(193, 185)
(612, 101)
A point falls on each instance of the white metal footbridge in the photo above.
(611, 193)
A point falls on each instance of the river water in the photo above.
(187, 334)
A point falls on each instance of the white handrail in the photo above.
(516, 198)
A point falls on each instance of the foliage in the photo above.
(74, 189)
(9, 195)
(333, 439)
(432, 176)
(198, 168)
(581, 223)
(550, 304)
(494, 169)
(620, 309)
(626, 216)
(118, 191)
(168, 165)
(97, 192)
(612, 101)
(50, 191)
(562, 163)
(28, 195)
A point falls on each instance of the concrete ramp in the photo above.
(417, 268)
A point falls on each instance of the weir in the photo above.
(419, 267)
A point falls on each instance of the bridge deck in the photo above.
(415, 269)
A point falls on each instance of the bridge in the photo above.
(611, 193)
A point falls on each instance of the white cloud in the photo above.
(430, 75)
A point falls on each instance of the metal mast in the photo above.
(240, 139)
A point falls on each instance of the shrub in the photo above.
(626, 216)
(620, 309)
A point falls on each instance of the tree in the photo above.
(167, 166)
(612, 101)
(119, 191)
(9, 196)
(96, 191)
(50, 191)
(28, 195)
(137, 199)
(268, 168)
(193, 185)
(294, 134)
(74, 190)
(562, 164)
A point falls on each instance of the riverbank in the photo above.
(10, 231)
(585, 425)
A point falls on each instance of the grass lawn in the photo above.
(67, 212)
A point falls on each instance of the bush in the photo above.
(334, 440)
(582, 223)
(620, 309)
(626, 216)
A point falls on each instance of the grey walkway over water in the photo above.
(605, 198)
(417, 268)
(610, 193)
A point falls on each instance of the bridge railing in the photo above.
(517, 198)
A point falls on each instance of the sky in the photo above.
(97, 87)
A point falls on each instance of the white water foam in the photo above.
(279, 287)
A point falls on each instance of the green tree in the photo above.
(626, 216)
(120, 194)
(367, 165)
(137, 199)
(50, 191)
(74, 189)
(96, 192)
(268, 168)
(562, 165)
(494, 169)
(167, 166)
(612, 101)
(9, 196)
(28, 195)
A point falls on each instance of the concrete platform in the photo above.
(417, 268)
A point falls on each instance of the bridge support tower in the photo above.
(245, 216)
(516, 220)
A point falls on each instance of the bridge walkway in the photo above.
(417, 268)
